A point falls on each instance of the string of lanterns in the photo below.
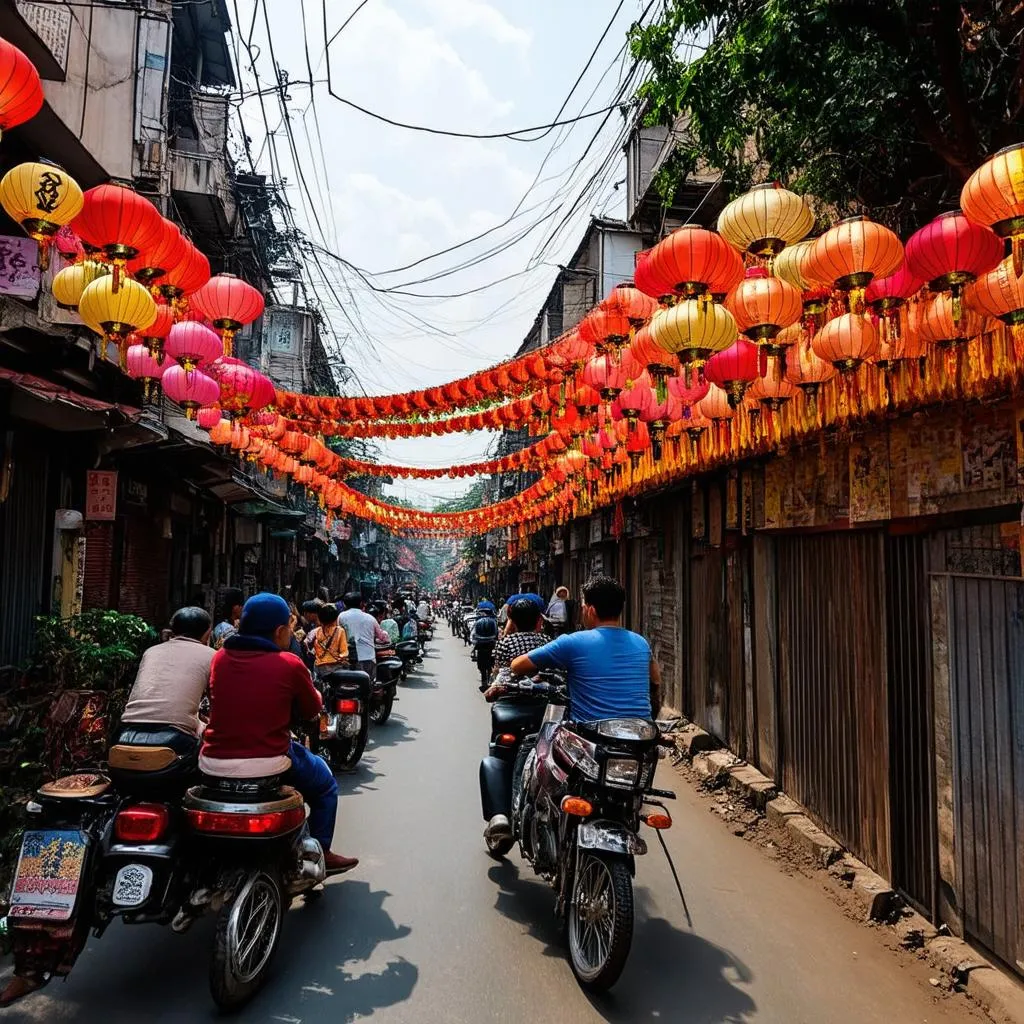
(727, 343)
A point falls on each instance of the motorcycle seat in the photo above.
(143, 748)
(344, 678)
(215, 787)
(408, 647)
(394, 664)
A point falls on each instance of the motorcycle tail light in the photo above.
(347, 707)
(507, 739)
(271, 823)
(577, 806)
(657, 821)
(142, 823)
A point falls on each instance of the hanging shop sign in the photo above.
(19, 267)
(101, 494)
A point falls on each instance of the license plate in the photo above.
(132, 885)
(49, 874)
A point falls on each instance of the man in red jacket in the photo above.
(255, 684)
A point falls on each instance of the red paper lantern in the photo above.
(951, 252)
(994, 196)
(21, 92)
(190, 274)
(734, 369)
(763, 306)
(158, 330)
(118, 221)
(208, 416)
(189, 388)
(846, 342)
(696, 261)
(635, 398)
(229, 303)
(165, 253)
(605, 376)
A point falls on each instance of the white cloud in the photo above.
(480, 17)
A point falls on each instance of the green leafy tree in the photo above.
(473, 498)
(881, 106)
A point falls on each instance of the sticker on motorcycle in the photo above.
(132, 885)
(48, 875)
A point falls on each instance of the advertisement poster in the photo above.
(869, 479)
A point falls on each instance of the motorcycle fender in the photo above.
(610, 838)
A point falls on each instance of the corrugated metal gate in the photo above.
(25, 541)
(716, 695)
(986, 658)
(911, 721)
(832, 682)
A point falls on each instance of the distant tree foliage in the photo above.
(876, 106)
(473, 498)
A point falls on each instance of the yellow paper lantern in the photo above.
(42, 198)
(116, 314)
(765, 220)
(694, 330)
(789, 264)
(69, 284)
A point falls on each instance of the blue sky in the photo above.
(386, 196)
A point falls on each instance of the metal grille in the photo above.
(986, 656)
(832, 669)
(911, 722)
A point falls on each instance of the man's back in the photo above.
(361, 626)
(608, 668)
(252, 694)
(171, 681)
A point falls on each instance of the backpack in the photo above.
(410, 631)
(486, 629)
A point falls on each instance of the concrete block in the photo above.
(751, 785)
(823, 848)
(691, 740)
(872, 891)
(711, 774)
(781, 808)
(1000, 994)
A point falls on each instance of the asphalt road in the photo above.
(429, 929)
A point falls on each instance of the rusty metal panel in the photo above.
(832, 669)
(911, 722)
(986, 656)
(765, 657)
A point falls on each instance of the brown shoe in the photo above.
(16, 989)
(338, 865)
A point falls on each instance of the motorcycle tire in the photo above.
(343, 755)
(381, 712)
(239, 968)
(602, 898)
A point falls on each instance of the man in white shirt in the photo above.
(362, 629)
(423, 612)
(173, 676)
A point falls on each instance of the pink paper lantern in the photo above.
(189, 388)
(208, 416)
(192, 344)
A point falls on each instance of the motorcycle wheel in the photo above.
(497, 848)
(600, 921)
(343, 755)
(381, 712)
(248, 930)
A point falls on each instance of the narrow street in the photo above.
(428, 929)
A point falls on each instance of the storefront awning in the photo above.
(57, 407)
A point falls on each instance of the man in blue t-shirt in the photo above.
(610, 670)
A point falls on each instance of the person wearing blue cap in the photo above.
(254, 684)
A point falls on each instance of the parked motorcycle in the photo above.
(408, 652)
(389, 670)
(578, 800)
(92, 852)
(345, 720)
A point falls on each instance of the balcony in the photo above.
(201, 179)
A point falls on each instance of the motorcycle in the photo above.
(425, 632)
(344, 722)
(385, 686)
(154, 850)
(408, 652)
(578, 799)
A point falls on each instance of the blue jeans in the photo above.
(313, 779)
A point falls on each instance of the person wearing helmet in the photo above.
(484, 636)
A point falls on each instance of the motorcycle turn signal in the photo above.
(577, 806)
(658, 821)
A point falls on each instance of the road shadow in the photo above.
(394, 731)
(671, 974)
(419, 681)
(323, 971)
(362, 778)
(529, 902)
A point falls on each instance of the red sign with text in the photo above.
(100, 494)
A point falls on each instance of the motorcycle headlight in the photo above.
(621, 772)
(578, 751)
